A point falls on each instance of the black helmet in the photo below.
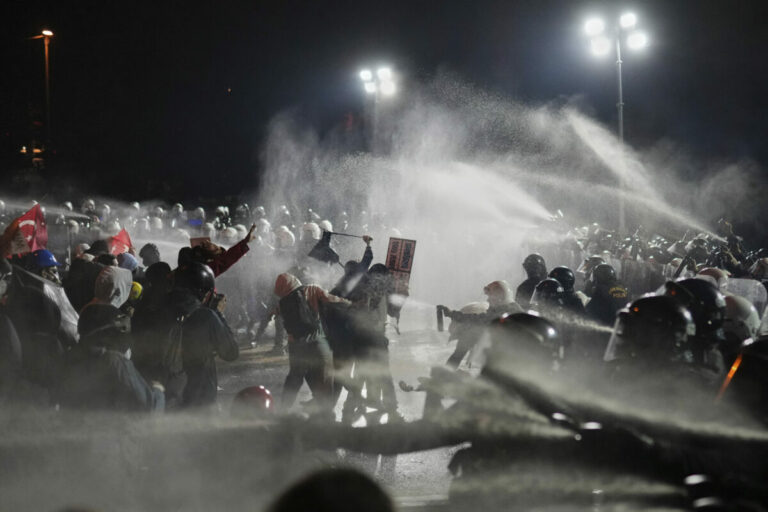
(534, 265)
(603, 274)
(705, 302)
(547, 292)
(539, 331)
(564, 276)
(196, 277)
(653, 328)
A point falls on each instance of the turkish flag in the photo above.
(120, 243)
(25, 234)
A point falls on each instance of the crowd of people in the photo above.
(145, 330)
(94, 322)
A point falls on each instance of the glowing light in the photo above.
(628, 20)
(600, 46)
(637, 40)
(47, 33)
(594, 26)
(729, 378)
(388, 88)
(366, 75)
(384, 74)
(370, 87)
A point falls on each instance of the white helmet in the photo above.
(73, 226)
(284, 238)
(719, 276)
(209, 230)
(741, 318)
(142, 226)
(263, 226)
(80, 250)
(113, 228)
(310, 231)
(325, 225)
(229, 235)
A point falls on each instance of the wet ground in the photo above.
(411, 478)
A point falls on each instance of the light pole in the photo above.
(601, 45)
(46, 36)
(378, 86)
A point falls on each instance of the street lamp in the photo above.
(601, 42)
(46, 36)
(377, 85)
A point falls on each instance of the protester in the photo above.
(309, 356)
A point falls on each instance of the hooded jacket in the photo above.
(112, 287)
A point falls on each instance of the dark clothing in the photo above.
(81, 281)
(97, 378)
(46, 325)
(309, 360)
(150, 330)
(525, 291)
(572, 303)
(204, 334)
(348, 281)
(368, 324)
(10, 359)
(605, 302)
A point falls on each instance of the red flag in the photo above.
(25, 234)
(120, 243)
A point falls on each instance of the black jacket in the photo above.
(205, 334)
(97, 378)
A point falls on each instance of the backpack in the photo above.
(172, 356)
(298, 318)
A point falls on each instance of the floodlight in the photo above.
(637, 40)
(628, 20)
(388, 88)
(384, 74)
(594, 26)
(366, 75)
(370, 87)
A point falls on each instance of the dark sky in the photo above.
(140, 89)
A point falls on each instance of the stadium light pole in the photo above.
(378, 85)
(604, 38)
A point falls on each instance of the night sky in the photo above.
(141, 90)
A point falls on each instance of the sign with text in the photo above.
(400, 261)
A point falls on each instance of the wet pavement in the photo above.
(412, 478)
